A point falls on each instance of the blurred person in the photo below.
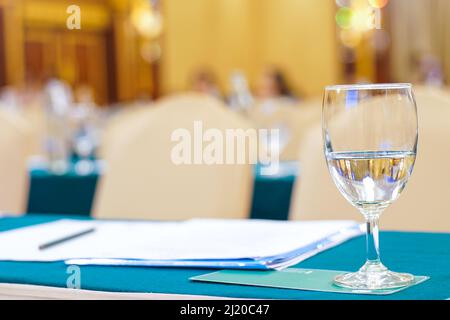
(84, 94)
(429, 71)
(204, 81)
(33, 96)
(273, 91)
(23, 97)
(432, 70)
(9, 98)
(273, 85)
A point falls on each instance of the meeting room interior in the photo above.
(238, 149)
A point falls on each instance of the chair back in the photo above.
(144, 179)
(117, 125)
(15, 148)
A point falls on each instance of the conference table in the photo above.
(73, 193)
(418, 253)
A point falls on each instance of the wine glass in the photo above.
(370, 141)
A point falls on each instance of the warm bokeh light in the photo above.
(343, 3)
(378, 3)
(361, 19)
(344, 17)
(150, 51)
(147, 22)
(359, 16)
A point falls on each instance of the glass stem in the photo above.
(372, 240)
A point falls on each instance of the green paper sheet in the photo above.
(293, 278)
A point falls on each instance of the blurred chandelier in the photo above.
(146, 19)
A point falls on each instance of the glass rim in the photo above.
(369, 86)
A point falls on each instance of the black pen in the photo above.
(65, 239)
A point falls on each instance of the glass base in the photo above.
(373, 276)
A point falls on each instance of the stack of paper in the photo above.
(246, 244)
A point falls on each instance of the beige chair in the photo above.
(142, 181)
(293, 119)
(422, 205)
(15, 148)
(117, 126)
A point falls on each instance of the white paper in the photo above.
(192, 239)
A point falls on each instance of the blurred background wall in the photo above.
(138, 49)
(114, 56)
(298, 36)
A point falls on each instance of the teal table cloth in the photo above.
(417, 253)
(68, 193)
(72, 193)
(272, 193)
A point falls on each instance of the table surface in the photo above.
(417, 253)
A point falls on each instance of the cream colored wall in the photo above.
(297, 35)
(217, 34)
